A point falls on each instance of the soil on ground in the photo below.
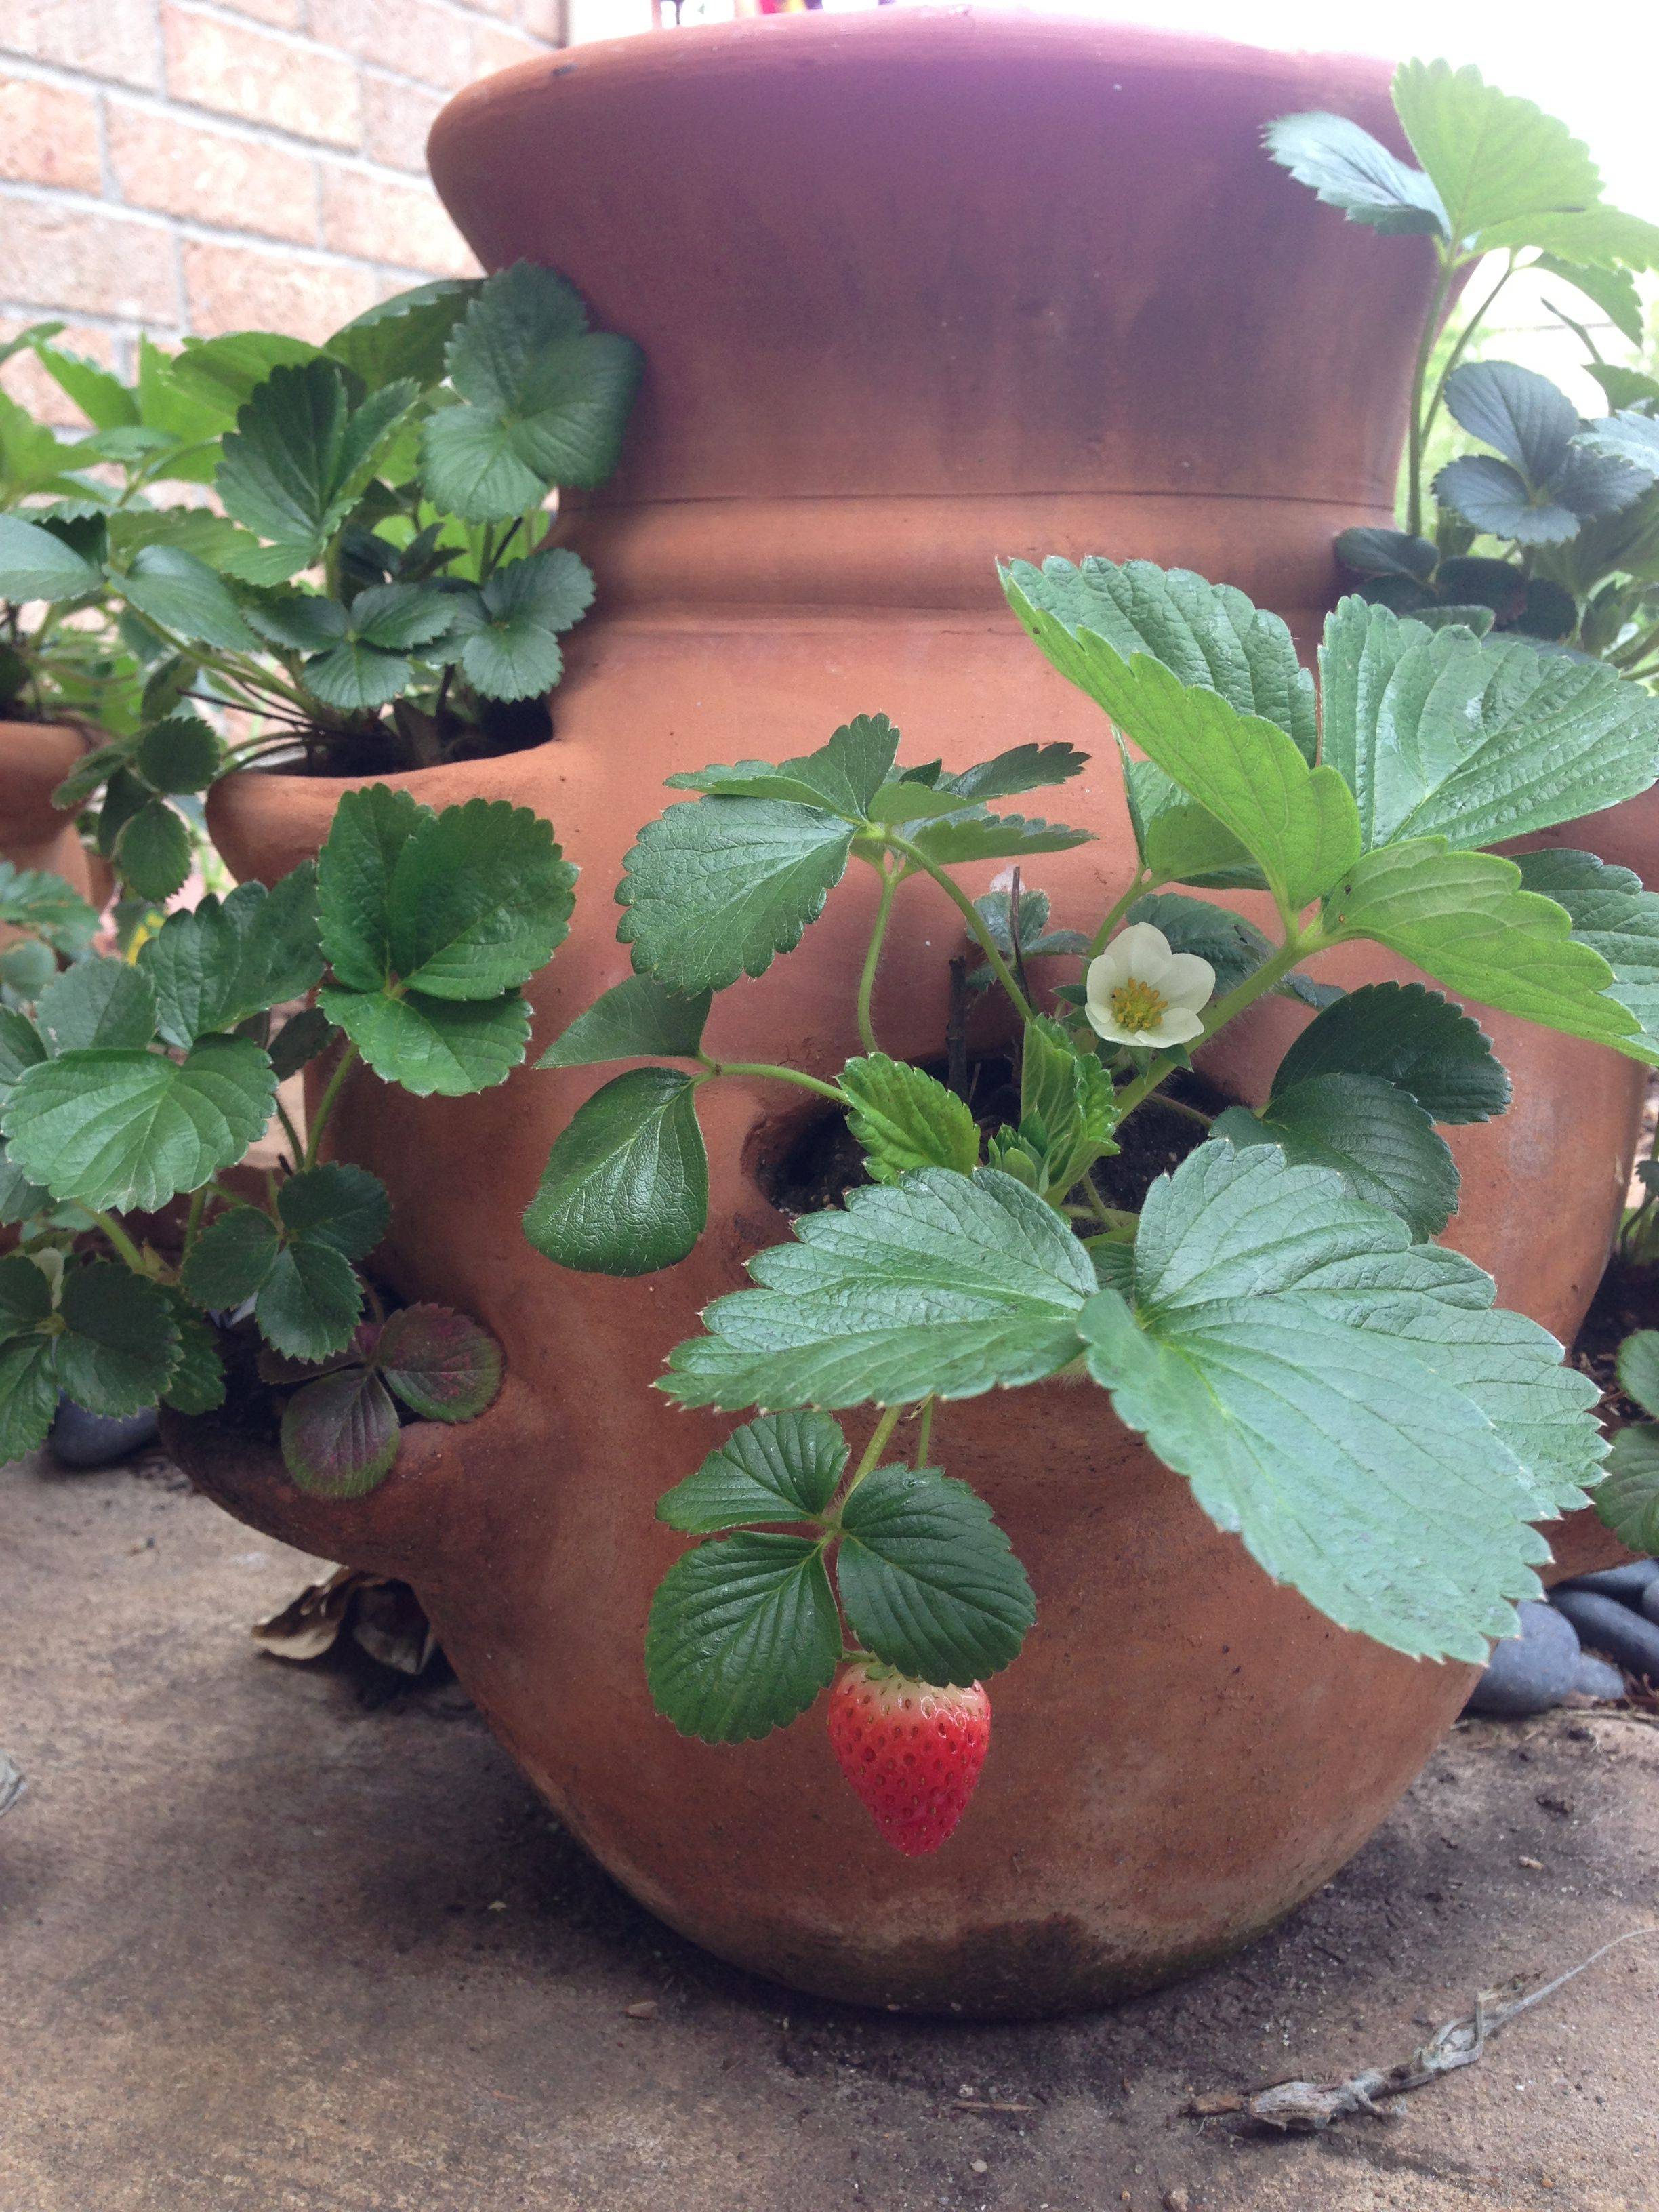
(299, 1939)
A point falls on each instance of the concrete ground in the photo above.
(274, 1941)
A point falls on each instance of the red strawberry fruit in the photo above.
(912, 1750)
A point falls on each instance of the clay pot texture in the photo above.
(34, 758)
(916, 290)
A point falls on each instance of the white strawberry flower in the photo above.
(1140, 993)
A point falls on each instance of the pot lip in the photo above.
(34, 758)
(997, 36)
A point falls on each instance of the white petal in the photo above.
(1187, 981)
(1105, 973)
(1143, 951)
(1179, 1026)
(1105, 1023)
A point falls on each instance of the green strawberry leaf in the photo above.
(1349, 169)
(24, 1296)
(405, 336)
(1492, 158)
(843, 775)
(904, 1119)
(1464, 918)
(479, 898)
(1298, 822)
(1613, 914)
(19, 1199)
(1203, 633)
(978, 835)
(1022, 767)
(300, 454)
(21, 1047)
(231, 1259)
(365, 840)
(97, 1002)
(28, 1394)
(180, 754)
(196, 1384)
(1627, 1498)
(1067, 1107)
(308, 1305)
(152, 852)
(31, 899)
(300, 1040)
(543, 399)
(227, 960)
(120, 1342)
(509, 629)
(442, 1364)
(37, 564)
(344, 1207)
(1410, 1036)
(340, 1435)
(631, 1021)
(1374, 1135)
(625, 1190)
(448, 1047)
(928, 1579)
(1638, 1369)
(743, 1635)
(941, 1283)
(1443, 734)
(784, 1467)
(128, 1130)
(716, 887)
(1314, 1437)
(171, 587)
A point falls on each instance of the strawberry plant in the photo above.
(1275, 1318)
(130, 1089)
(1553, 529)
(375, 594)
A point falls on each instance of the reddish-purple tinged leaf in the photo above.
(340, 1434)
(442, 1364)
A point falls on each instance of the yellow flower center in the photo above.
(1136, 1005)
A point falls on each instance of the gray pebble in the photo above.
(1650, 1600)
(1630, 1583)
(1605, 1625)
(81, 1439)
(1532, 1672)
(12, 1784)
(1593, 1678)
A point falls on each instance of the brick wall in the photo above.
(199, 166)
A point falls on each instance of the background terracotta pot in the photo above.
(915, 290)
(34, 758)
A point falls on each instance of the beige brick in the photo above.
(403, 224)
(67, 257)
(242, 71)
(240, 287)
(25, 380)
(282, 15)
(545, 19)
(48, 135)
(397, 118)
(495, 48)
(106, 38)
(412, 37)
(211, 177)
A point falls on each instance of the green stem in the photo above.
(925, 1430)
(296, 1150)
(971, 914)
(879, 1437)
(767, 1071)
(348, 1060)
(1416, 428)
(118, 1238)
(1144, 882)
(872, 958)
(1272, 970)
(1458, 350)
(192, 1225)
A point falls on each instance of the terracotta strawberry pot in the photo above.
(34, 758)
(915, 290)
